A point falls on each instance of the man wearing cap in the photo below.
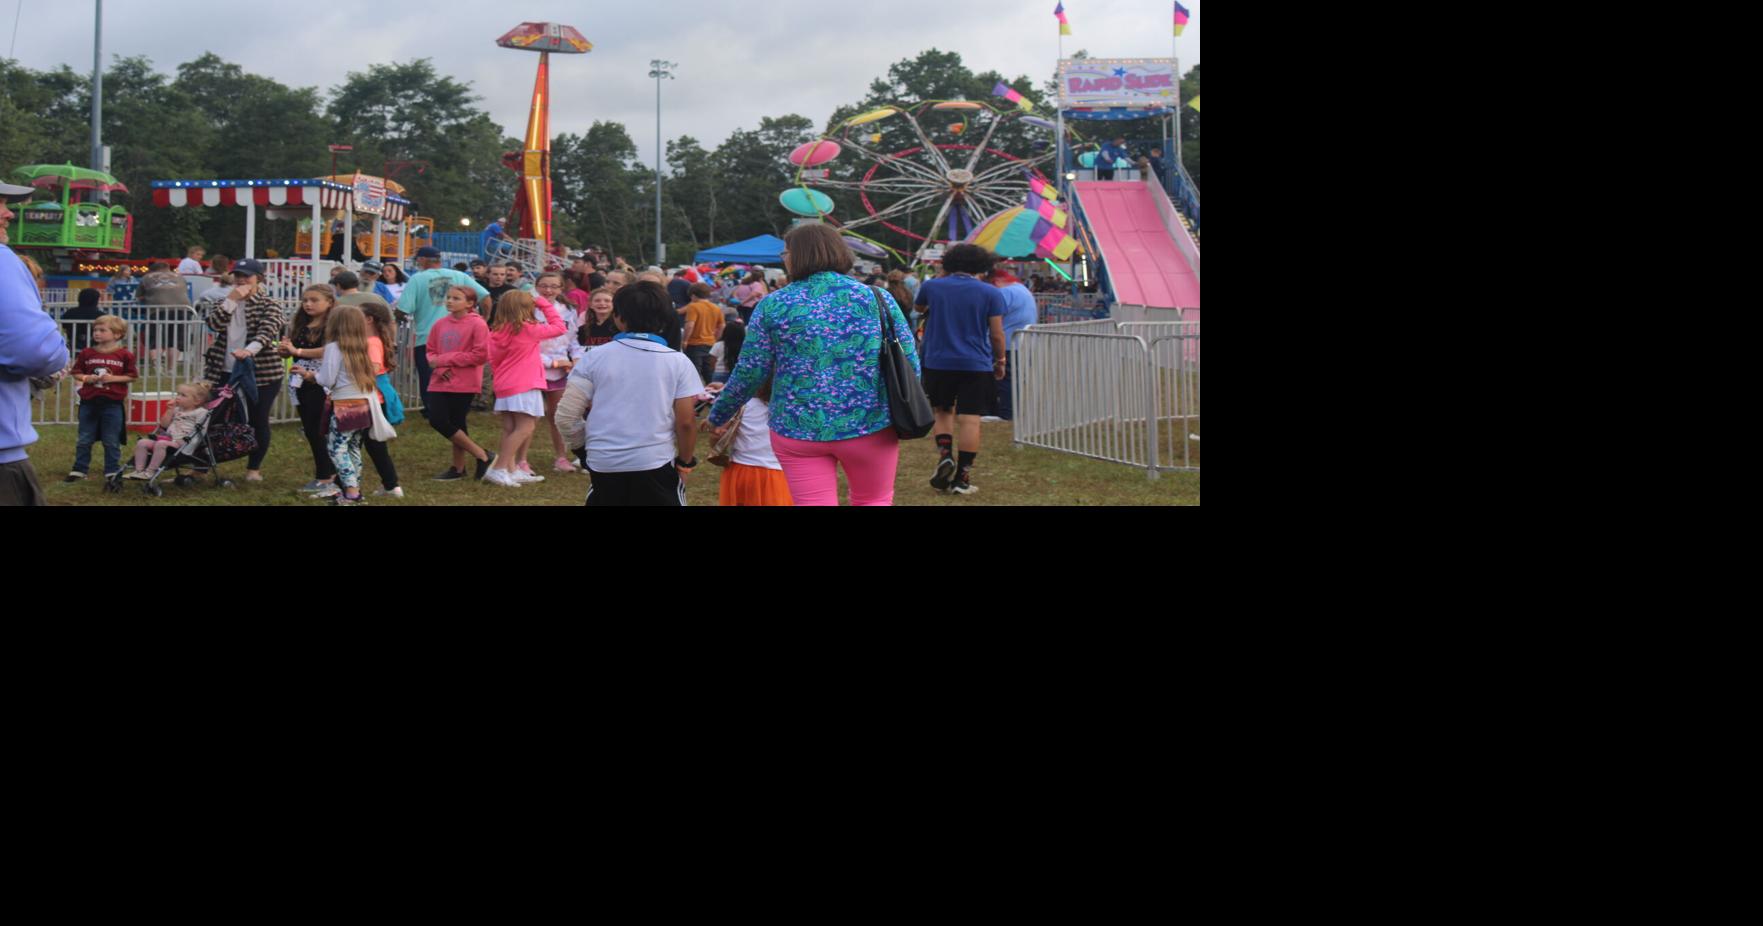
(248, 325)
(425, 301)
(31, 346)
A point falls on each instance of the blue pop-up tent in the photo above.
(765, 249)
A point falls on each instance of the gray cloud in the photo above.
(738, 61)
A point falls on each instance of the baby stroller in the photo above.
(224, 436)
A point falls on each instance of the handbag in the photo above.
(394, 403)
(722, 452)
(382, 430)
(352, 415)
(230, 435)
(908, 406)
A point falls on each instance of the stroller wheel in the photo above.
(227, 484)
(184, 482)
(113, 485)
(154, 491)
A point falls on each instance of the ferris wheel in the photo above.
(945, 160)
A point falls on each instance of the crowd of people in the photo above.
(627, 371)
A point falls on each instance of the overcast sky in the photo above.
(738, 61)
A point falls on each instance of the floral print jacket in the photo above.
(819, 341)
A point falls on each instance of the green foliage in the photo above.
(213, 119)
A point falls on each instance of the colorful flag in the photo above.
(1064, 24)
(1010, 94)
(1195, 103)
(1181, 18)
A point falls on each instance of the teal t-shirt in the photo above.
(425, 298)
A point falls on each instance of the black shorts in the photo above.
(657, 488)
(966, 393)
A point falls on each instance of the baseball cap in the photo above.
(429, 253)
(372, 266)
(253, 267)
(9, 191)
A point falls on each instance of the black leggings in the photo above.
(448, 411)
(266, 396)
(315, 421)
(382, 462)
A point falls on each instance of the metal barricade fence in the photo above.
(1121, 392)
(169, 344)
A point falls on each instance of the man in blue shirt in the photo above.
(1020, 312)
(492, 244)
(963, 357)
(31, 346)
(1111, 153)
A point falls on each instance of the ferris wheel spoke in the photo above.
(909, 204)
(995, 203)
(929, 146)
(979, 150)
(1000, 171)
(934, 226)
(901, 164)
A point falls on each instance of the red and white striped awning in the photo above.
(327, 195)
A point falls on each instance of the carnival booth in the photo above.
(312, 203)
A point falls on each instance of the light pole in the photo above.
(98, 87)
(659, 69)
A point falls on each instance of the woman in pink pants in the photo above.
(819, 342)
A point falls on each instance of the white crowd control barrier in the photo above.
(169, 343)
(1125, 392)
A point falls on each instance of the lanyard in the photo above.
(631, 336)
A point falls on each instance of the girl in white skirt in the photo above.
(519, 375)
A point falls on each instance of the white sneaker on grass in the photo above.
(498, 477)
(525, 478)
(389, 493)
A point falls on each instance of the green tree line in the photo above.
(211, 119)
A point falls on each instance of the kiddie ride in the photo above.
(418, 231)
(65, 217)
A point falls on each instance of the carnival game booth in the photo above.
(311, 202)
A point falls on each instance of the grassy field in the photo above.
(1004, 475)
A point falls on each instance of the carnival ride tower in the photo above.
(532, 203)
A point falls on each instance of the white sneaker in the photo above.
(991, 419)
(389, 493)
(525, 478)
(327, 490)
(497, 477)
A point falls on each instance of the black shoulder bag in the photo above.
(907, 403)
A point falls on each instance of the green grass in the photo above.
(1004, 475)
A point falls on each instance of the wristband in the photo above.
(686, 466)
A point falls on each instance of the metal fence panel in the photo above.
(169, 343)
(1122, 392)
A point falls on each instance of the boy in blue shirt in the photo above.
(963, 358)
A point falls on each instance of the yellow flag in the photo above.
(1195, 103)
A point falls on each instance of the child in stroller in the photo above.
(196, 434)
(180, 423)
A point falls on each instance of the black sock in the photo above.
(967, 462)
(946, 445)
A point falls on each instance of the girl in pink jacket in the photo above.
(519, 375)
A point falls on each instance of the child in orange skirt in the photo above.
(754, 478)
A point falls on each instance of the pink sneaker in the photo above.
(563, 465)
